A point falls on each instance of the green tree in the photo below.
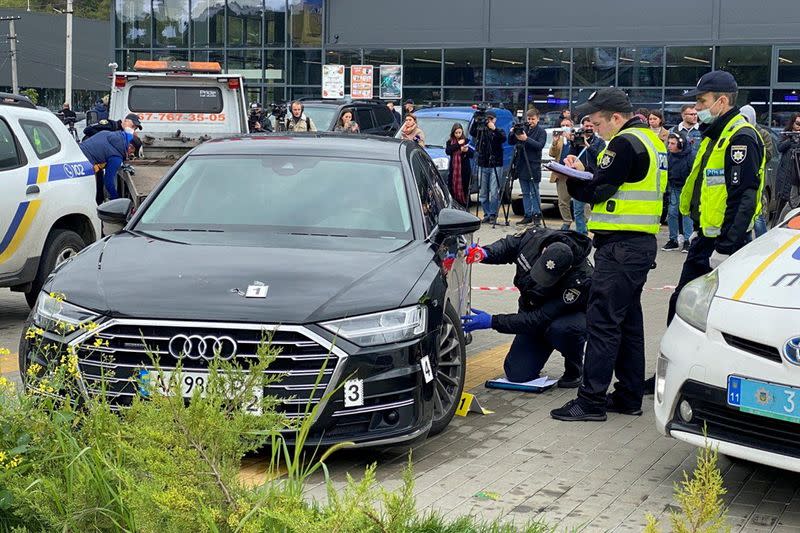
(93, 9)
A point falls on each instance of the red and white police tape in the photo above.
(514, 289)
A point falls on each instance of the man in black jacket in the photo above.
(553, 277)
(527, 165)
(680, 158)
(489, 140)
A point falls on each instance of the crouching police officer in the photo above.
(553, 276)
(626, 193)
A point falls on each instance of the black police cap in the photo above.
(552, 264)
(610, 99)
(716, 81)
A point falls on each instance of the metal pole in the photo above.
(12, 41)
(68, 63)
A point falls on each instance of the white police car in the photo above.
(47, 196)
(730, 361)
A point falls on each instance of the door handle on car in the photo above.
(32, 189)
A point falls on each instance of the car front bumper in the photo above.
(695, 366)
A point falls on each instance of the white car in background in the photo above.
(729, 364)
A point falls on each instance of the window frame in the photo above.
(23, 122)
(218, 90)
(22, 159)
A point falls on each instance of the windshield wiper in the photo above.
(317, 234)
(195, 230)
(146, 235)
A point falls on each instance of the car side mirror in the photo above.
(114, 215)
(455, 222)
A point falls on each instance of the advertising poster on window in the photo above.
(361, 82)
(333, 81)
(391, 81)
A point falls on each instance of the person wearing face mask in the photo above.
(106, 150)
(625, 191)
(723, 191)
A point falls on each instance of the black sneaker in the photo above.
(537, 220)
(612, 407)
(650, 386)
(670, 246)
(486, 218)
(524, 221)
(492, 219)
(685, 248)
(569, 382)
(572, 411)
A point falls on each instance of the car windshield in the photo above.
(322, 115)
(437, 129)
(250, 195)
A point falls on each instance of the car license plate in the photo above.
(197, 381)
(765, 399)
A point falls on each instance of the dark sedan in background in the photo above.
(345, 248)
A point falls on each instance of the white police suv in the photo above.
(730, 361)
(47, 196)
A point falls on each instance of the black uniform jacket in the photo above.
(539, 305)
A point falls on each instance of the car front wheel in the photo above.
(450, 371)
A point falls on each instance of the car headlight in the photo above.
(442, 163)
(695, 299)
(53, 313)
(381, 328)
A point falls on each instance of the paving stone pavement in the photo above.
(587, 476)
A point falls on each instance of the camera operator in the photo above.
(489, 141)
(586, 146)
(298, 121)
(532, 137)
(257, 120)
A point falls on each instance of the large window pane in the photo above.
(171, 55)
(759, 99)
(247, 63)
(172, 22)
(306, 22)
(423, 96)
(209, 55)
(649, 99)
(686, 64)
(275, 66)
(306, 67)
(462, 97)
(134, 18)
(511, 99)
(641, 67)
(784, 105)
(244, 23)
(750, 65)
(381, 57)
(343, 57)
(549, 66)
(550, 104)
(129, 58)
(275, 22)
(463, 66)
(422, 67)
(208, 22)
(594, 67)
(789, 65)
(300, 92)
(674, 99)
(505, 66)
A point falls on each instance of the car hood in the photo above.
(765, 272)
(309, 278)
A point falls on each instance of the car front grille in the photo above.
(111, 357)
(710, 410)
(753, 347)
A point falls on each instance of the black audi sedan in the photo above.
(347, 250)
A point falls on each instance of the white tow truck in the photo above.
(180, 104)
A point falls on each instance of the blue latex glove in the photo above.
(478, 320)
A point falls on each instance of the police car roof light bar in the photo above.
(16, 100)
(207, 67)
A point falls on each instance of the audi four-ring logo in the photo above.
(202, 347)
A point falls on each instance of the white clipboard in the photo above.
(567, 171)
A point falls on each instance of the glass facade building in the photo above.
(280, 45)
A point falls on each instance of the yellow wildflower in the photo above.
(34, 369)
(3, 457)
(5, 384)
(5, 351)
(57, 296)
(90, 326)
(13, 463)
(98, 342)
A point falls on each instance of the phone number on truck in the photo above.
(184, 117)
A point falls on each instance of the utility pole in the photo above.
(68, 63)
(12, 42)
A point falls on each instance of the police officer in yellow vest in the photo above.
(723, 191)
(626, 193)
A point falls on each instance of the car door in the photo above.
(385, 121)
(365, 120)
(16, 210)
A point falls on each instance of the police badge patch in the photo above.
(571, 295)
(607, 159)
(738, 153)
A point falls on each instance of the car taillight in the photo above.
(233, 83)
(119, 81)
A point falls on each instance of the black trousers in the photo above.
(696, 265)
(529, 352)
(615, 326)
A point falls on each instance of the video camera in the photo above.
(278, 111)
(518, 128)
(479, 118)
(579, 136)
